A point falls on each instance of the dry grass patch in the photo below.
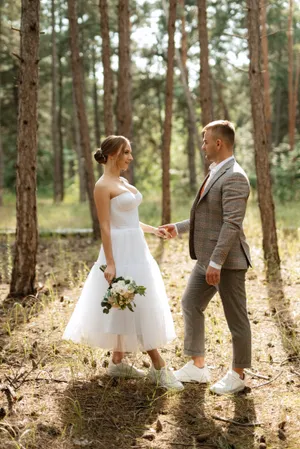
(64, 399)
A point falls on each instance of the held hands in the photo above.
(213, 275)
(162, 233)
(169, 229)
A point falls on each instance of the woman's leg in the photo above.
(117, 357)
(157, 360)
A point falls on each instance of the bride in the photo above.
(125, 253)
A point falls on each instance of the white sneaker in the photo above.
(191, 373)
(230, 383)
(124, 370)
(164, 378)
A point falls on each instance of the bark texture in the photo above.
(1, 172)
(292, 120)
(191, 116)
(264, 188)
(80, 159)
(107, 72)
(77, 75)
(205, 81)
(266, 73)
(57, 178)
(166, 198)
(24, 265)
(124, 109)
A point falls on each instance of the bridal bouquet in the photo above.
(120, 293)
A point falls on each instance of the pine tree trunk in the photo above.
(60, 112)
(77, 74)
(107, 72)
(97, 128)
(166, 197)
(205, 83)
(57, 181)
(191, 153)
(291, 77)
(79, 153)
(191, 116)
(223, 109)
(278, 101)
(296, 89)
(264, 188)
(124, 111)
(266, 73)
(1, 171)
(24, 265)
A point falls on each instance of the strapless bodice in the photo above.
(124, 210)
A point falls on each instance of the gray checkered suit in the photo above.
(216, 233)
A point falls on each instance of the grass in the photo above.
(73, 215)
(65, 400)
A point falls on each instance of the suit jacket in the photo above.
(216, 220)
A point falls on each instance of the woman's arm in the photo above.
(102, 201)
(152, 230)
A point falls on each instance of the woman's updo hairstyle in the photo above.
(110, 146)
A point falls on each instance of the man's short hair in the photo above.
(222, 129)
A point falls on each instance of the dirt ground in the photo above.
(56, 395)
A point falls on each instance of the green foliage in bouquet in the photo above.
(120, 293)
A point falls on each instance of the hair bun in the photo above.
(100, 157)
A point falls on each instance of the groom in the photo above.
(217, 241)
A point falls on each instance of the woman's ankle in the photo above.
(117, 357)
(159, 365)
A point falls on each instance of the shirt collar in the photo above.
(213, 168)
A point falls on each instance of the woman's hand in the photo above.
(162, 233)
(110, 272)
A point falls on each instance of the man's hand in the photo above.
(213, 275)
(162, 233)
(170, 228)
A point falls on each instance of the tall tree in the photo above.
(97, 128)
(264, 188)
(107, 71)
(191, 116)
(206, 101)
(124, 110)
(78, 149)
(57, 180)
(266, 74)
(166, 196)
(1, 171)
(292, 120)
(193, 133)
(60, 103)
(77, 75)
(296, 89)
(24, 265)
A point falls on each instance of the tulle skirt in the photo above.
(150, 326)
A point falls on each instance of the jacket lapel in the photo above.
(216, 177)
(199, 192)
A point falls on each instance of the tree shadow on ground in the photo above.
(196, 425)
(280, 308)
(110, 413)
(242, 436)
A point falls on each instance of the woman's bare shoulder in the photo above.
(102, 186)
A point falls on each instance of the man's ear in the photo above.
(219, 143)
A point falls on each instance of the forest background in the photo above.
(228, 63)
(52, 393)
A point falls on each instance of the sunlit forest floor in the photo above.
(61, 397)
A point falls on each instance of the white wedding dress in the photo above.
(150, 326)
